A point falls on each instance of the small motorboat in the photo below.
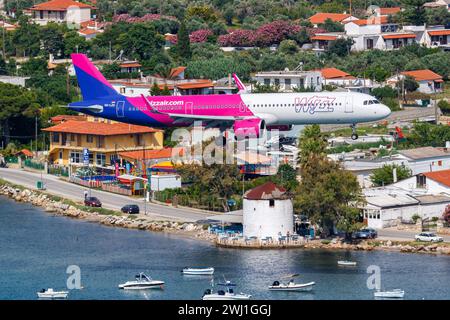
(396, 293)
(346, 263)
(291, 285)
(142, 282)
(225, 294)
(51, 294)
(198, 271)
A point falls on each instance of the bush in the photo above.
(444, 106)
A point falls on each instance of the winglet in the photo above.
(239, 83)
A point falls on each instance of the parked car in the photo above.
(367, 233)
(92, 202)
(428, 236)
(130, 208)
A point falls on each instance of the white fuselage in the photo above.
(315, 108)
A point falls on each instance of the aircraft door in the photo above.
(188, 108)
(348, 104)
(120, 109)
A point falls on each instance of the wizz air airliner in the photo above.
(249, 115)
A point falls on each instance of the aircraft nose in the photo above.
(382, 111)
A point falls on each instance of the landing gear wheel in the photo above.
(354, 136)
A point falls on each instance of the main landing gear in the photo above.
(354, 134)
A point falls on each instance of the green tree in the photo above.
(183, 46)
(410, 84)
(444, 106)
(286, 177)
(15, 102)
(155, 90)
(26, 38)
(141, 41)
(331, 26)
(415, 11)
(52, 38)
(228, 15)
(385, 175)
(327, 194)
(341, 47)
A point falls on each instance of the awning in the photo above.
(230, 217)
(399, 36)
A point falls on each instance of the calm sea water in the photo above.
(36, 248)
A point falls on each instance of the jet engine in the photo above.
(249, 128)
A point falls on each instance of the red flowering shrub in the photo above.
(200, 35)
(266, 35)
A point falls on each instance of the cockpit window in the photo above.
(365, 102)
(370, 101)
(376, 102)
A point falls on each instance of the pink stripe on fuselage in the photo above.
(204, 105)
(81, 61)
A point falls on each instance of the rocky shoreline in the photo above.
(58, 206)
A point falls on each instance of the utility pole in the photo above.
(36, 133)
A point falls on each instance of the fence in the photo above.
(85, 183)
(12, 159)
(116, 189)
(34, 165)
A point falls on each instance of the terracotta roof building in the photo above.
(104, 141)
(63, 11)
(429, 81)
(321, 17)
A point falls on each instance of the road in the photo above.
(408, 114)
(109, 200)
(401, 235)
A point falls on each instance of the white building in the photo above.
(434, 182)
(419, 160)
(267, 212)
(288, 80)
(429, 81)
(61, 11)
(165, 181)
(391, 207)
(378, 33)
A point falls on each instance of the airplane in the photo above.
(249, 114)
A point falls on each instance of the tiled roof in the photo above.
(375, 20)
(25, 152)
(422, 75)
(324, 38)
(130, 64)
(389, 11)
(333, 73)
(99, 128)
(423, 153)
(88, 31)
(176, 71)
(444, 32)
(266, 191)
(195, 85)
(59, 5)
(66, 117)
(442, 177)
(152, 154)
(321, 17)
(399, 36)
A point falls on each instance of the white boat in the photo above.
(226, 294)
(51, 294)
(346, 263)
(142, 282)
(396, 293)
(198, 271)
(291, 286)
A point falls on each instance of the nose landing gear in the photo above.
(354, 134)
